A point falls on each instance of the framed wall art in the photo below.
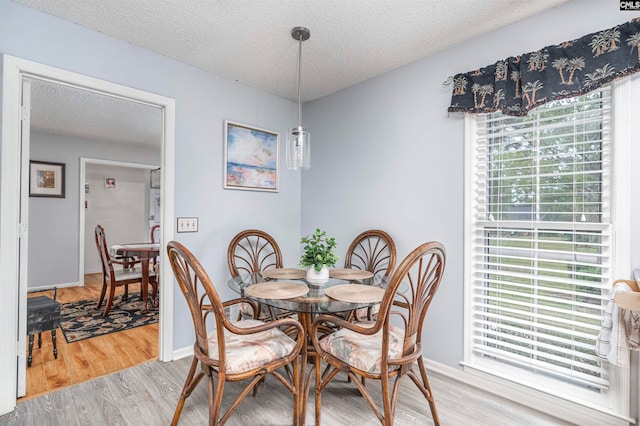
(46, 179)
(109, 183)
(250, 158)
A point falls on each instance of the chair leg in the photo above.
(428, 394)
(102, 292)
(39, 340)
(112, 293)
(386, 401)
(54, 339)
(154, 293)
(125, 296)
(30, 357)
(215, 398)
(298, 383)
(318, 366)
(189, 386)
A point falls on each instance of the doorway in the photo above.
(15, 158)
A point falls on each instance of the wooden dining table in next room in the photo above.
(145, 252)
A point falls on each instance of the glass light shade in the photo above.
(298, 148)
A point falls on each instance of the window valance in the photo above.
(518, 84)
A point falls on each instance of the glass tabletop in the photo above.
(315, 301)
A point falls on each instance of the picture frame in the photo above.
(109, 183)
(46, 179)
(250, 158)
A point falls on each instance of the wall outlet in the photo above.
(187, 224)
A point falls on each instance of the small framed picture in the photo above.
(109, 183)
(250, 158)
(46, 179)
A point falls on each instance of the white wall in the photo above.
(386, 154)
(122, 211)
(54, 222)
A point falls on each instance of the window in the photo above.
(540, 244)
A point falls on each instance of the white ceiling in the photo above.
(70, 111)
(250, 41)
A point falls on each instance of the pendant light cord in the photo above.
(299, 78)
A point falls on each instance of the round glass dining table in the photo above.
(307, 306)
(314, 302)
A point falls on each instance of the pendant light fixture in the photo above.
(298, 139)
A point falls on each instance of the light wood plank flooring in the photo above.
(147, 395)
(87, 359)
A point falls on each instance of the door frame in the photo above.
(13, 294)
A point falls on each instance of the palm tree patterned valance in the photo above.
(518, 84)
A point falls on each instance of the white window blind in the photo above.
(541, 238)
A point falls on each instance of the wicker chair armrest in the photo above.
(340, 323)
(417, 353)
(254, 305)
(281, 323)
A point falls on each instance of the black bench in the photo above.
(43, 314)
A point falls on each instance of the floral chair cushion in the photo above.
(360, 351)
(363, 313)
(246, 352)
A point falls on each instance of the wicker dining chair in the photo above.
(374, 251)
(252, 251)
(232, 351)
(385, 349)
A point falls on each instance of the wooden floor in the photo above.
(87, 359)
(147, 395)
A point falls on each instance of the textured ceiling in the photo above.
(70, 111)
(250, 41)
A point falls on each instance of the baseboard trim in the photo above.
(562, 409)
(182, 353)
(51, 287)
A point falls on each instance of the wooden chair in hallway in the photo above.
(232, 351)
(385, 349)
(112, 278)
(154, 235)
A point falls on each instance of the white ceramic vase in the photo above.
(318, 277)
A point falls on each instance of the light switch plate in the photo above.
(187, 224)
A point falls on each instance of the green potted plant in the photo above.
(319, 254)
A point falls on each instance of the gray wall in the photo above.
(390, 156)
(203, 102)
(54, 222)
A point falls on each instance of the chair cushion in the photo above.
(361, 351)
(364, 312)
(246, 352)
